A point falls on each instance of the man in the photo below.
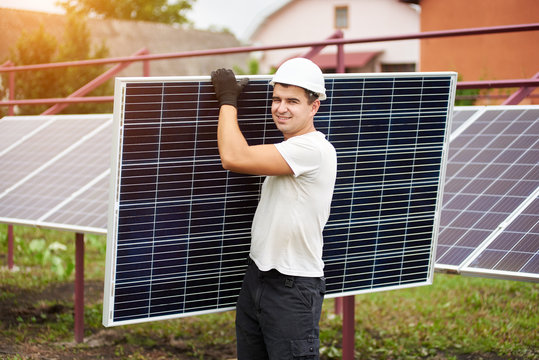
(279, 306)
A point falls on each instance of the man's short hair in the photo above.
(311, 96)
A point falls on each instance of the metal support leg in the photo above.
(79, 288)
(348, 328)
(10, 245)
(338, 306)
(341, 66)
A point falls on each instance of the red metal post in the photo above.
(340, 59)
(146, 68)
(316, 49)
(11, 85)
(79, 287)
(347, 303)
(348, 332)
(338, 306)
(10, 247)
(521, 94)
(146, 65)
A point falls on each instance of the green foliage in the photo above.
(456, 315)
(253, 68)
(51, 255)
(466, 97)
(163, 11)
(45, 256)
(39, 47)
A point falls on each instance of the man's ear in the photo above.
(315, 106)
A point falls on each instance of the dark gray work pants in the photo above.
(277, 316)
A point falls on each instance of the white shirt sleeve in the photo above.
(302, 155)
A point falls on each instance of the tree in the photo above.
(39, 47)
(32, 48)
(163, 11)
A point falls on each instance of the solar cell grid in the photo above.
(79, 166)
(41, 148)
(179, 230)
(514, 250)
(85, 210)
(492, 169)
(53, 159)
(15, 130)
(461, 115)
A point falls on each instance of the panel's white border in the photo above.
(500, 275)
(114, 188)
(230, 308)
(140, 79)
(54, 226)
(441, 181)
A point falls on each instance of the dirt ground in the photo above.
(37, 308)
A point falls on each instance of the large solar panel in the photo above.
(179, 225)
(50, 163)
(489, 218)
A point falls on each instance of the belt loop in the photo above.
(289, 282)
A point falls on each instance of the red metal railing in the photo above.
(316, 46)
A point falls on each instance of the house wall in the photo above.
(481, 57)
(313, 20)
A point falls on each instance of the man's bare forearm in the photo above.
(231, 142)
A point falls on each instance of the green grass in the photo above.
(455, 318)
(457, 315)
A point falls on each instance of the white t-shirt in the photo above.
(293, 209)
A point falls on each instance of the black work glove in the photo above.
(227, 89)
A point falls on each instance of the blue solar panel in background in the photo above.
(179, 225)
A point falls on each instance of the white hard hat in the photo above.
(303, 73)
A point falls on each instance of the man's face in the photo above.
(292, 113)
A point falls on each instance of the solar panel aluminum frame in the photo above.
(116, 178)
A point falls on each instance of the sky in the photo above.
(238, 16)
